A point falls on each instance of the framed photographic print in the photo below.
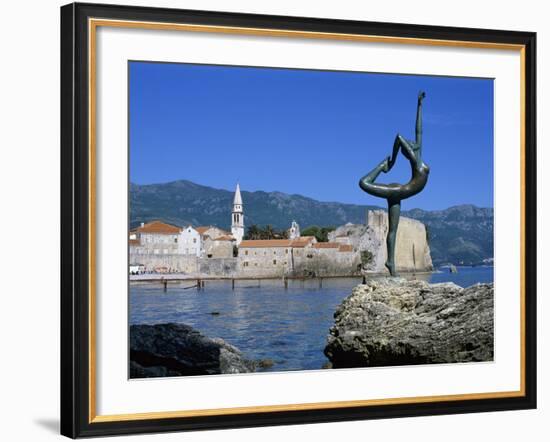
(273, 220)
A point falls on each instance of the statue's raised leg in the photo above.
(367, 182)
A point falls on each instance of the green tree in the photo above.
(320, 233)
(366, 257)
(267, 232)
(253, 232)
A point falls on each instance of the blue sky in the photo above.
(313, 133)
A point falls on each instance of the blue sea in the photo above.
(263, 319)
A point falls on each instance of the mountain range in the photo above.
(459, 235)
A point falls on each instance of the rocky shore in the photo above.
(392, 321)
(179, 350)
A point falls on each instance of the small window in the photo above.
(194, 240)
(286, 251)
(245, 264)
(175, 240)
(274, 262)
(246, 252)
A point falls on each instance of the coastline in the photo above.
(181, 277)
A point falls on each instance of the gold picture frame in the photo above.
(79, 54)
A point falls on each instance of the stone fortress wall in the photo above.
(269, 265)
(412, 251)
(310, 261)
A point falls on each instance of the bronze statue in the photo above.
(395, 193)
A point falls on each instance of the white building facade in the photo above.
(189, 242)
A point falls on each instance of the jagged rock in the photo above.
(391, 321)
(266, 363)
(180, 350)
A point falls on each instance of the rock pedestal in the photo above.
(391, 321)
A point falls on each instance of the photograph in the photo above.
(299, 219)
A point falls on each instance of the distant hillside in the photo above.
(460, 234)
(184, 202)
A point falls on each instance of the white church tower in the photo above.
(294, 231)
(237, 221)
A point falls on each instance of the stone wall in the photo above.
(173, 263)
(305, 262)
(218, 249)
(189, 265)
(412, 251)
(327, 262)
(217, 267)
(276, 262)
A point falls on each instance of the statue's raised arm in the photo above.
(418, 128)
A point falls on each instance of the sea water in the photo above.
(264, 320)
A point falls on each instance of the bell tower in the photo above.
(237, 217)
(294, 231)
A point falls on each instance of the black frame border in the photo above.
(75, 220)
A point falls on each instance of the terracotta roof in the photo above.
(301, 242)
(326, 245)
(343, 235)
(295, 243)
(133, 242)
(203, 229)
(346, 248)
(225, 238)
(159, 227)
(266, 243)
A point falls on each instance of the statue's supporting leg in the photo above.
(394, 211)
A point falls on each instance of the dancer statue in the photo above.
(395, 193)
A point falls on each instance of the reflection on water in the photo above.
(263, 319)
